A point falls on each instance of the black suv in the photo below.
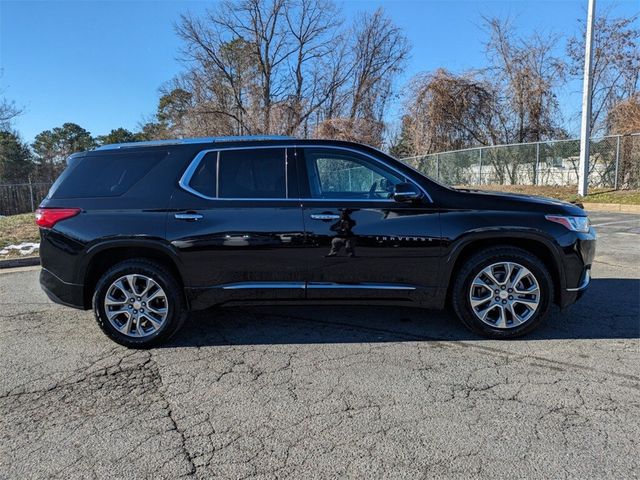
(144, 232)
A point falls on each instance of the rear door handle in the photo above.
(189, 217)
(325, 216)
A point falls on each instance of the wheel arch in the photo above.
(104, 256)
(535, 245)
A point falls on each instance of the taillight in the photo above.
(48, 217)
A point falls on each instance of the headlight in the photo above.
(575, 224)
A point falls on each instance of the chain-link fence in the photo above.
(614, 163)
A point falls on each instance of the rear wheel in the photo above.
(502, 292)
(138, 304)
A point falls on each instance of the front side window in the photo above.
(345, 175)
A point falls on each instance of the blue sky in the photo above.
(100, 63)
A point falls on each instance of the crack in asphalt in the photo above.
(212, 440)
(463, 344)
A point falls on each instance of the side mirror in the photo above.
(406, 192)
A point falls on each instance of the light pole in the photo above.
(585, 130)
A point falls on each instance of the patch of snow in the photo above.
(25, 248)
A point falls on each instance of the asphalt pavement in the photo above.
(328, 392)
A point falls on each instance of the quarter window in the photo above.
(204, 179)
(335, 174)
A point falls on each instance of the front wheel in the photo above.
(138, 304)
(502, 292)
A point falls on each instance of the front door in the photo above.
(237, 225)
(359, 241)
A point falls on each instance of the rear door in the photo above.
(236, 222)
(360, 243)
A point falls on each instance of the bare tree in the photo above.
(268, 66)
(512, 101)
(444, 111)
(624, 117)
(616, 64)
(313, 27)
(222, 69)
(352, 130)
(261, 24)
(287, 66)
(525, 75)
(376, 53)
(380, 51)
(8, 111)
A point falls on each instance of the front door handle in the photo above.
(325, 216)
(189, 217)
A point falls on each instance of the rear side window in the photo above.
(103, 175)
(252, 173)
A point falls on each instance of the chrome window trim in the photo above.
(193, 166)
(375, 159)
(188, 173)
(286, 172)
(217, 174)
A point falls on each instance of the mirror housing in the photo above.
(406, 192)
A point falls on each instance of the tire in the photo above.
(153, 322)
(520, 314)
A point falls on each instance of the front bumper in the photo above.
(584, 282)
(578, 257)
(59, 291)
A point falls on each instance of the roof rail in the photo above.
(180, 141)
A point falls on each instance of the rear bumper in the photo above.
(59, 291)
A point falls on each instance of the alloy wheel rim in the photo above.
(136, 305)
(504, 295)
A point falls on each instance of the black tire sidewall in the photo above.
(176, 308)
(474, 265)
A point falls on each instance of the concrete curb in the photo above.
(611, 207)
(19, 262)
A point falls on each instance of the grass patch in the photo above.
(597, 195)
(627, 197)
(16, 229)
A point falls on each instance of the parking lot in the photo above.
(326, 392)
